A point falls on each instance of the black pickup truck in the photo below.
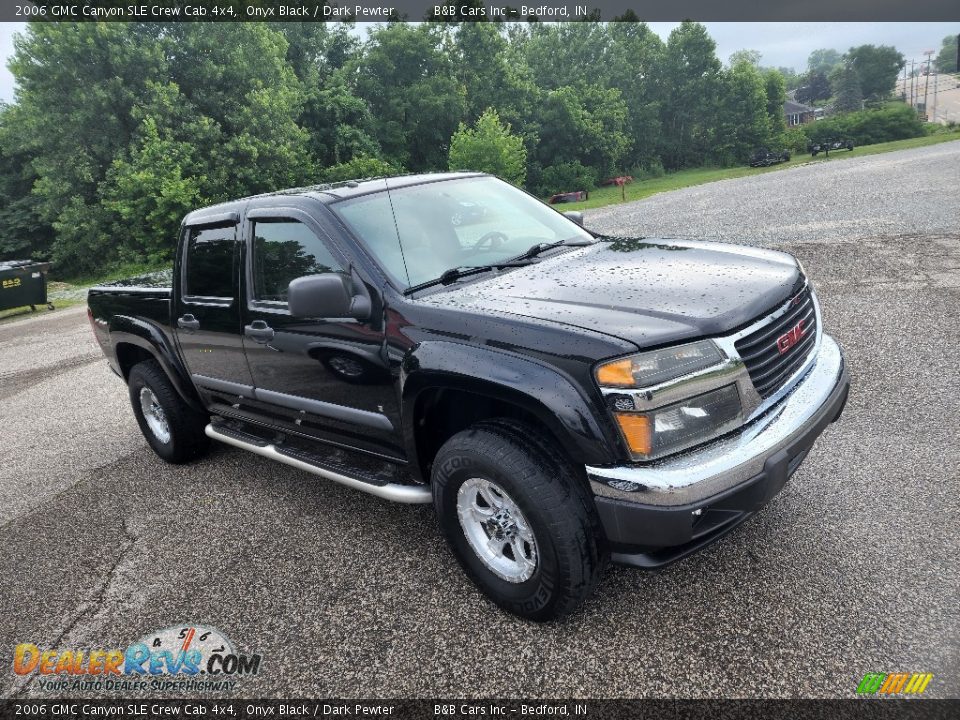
(561, 397)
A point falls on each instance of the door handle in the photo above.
(188, 322)
(259, 331)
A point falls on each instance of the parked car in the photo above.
(762, 157)
(562, 398)
(827, 145)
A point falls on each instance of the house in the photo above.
(797, 113)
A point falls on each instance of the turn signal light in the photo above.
(636, 431)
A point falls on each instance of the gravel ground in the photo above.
(852, 569)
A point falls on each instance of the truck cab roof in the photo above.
(322, 192)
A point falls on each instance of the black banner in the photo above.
(852, 709)
(481, 10)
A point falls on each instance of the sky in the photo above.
(780, 44)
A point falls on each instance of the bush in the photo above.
(868, 127)
(361, 166)
(795, 140)
(647, 171)
(567, 177)
(489, 147)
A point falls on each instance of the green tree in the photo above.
(823, 61)
(946, 60)
(775, 89)
(751, 57)
(743, 122)
(585, 124)
(408, 78)
(634, 65)
(25, 234)
(846, 88)
(360, 166)
(77, 85)
(492, 75)
(815, 87)
(692, 85)
(559, 53)
(877, 68)
(129, 125)
(489, 147)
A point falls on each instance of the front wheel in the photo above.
(521, 524)
(174, 430)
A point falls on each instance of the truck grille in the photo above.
(775, 351)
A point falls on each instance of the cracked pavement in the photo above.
(852, 569)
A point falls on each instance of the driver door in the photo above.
(325, 378)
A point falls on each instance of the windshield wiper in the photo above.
(543, 247)
(453, 274)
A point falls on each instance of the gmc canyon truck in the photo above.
(562, 398)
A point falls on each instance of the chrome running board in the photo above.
(390, 491)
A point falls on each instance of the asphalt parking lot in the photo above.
(852, 569)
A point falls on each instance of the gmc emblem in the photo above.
(791, 337)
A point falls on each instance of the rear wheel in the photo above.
(521, 523)
(174, 430)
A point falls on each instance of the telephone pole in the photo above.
(926, 84)
(913, 83)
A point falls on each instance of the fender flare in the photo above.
(125, 329)
(540, 389)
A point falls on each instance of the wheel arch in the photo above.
(135, 341)
(448, 387)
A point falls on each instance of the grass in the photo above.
(639, 190)
(64, 293)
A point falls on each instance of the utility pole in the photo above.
(913, 83)
(926, 84)
(936, 86)
(903, 94)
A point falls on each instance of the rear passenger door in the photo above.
(325, 378)
(207, 319)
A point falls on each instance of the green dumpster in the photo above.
(22, 283)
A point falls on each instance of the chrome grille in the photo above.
(768, 366)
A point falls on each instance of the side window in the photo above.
(211, 262)
(284, 250)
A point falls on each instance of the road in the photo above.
(852, 569)
(940, 91)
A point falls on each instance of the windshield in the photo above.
(419, 232)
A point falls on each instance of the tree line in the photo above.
(120, 129)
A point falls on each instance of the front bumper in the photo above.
(657, 513)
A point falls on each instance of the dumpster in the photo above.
(22, 283)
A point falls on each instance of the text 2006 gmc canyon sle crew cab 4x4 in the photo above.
(562, 398)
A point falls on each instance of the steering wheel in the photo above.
(490, 241)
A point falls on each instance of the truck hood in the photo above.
(649, 292)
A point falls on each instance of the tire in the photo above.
(172, 428)
(545, 501)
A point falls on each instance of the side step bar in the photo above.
(397, 493)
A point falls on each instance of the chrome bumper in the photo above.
(701, 473)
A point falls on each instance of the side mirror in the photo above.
(327, 295)
(574, 215)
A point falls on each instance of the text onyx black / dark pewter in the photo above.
(562, 398)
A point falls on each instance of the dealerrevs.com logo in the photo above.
(180, 658)
(894, 683)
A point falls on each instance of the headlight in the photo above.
(671, 428)
(652, 368)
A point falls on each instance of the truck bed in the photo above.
(146, 297)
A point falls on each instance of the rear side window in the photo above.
(211, 262)
(284, 250)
